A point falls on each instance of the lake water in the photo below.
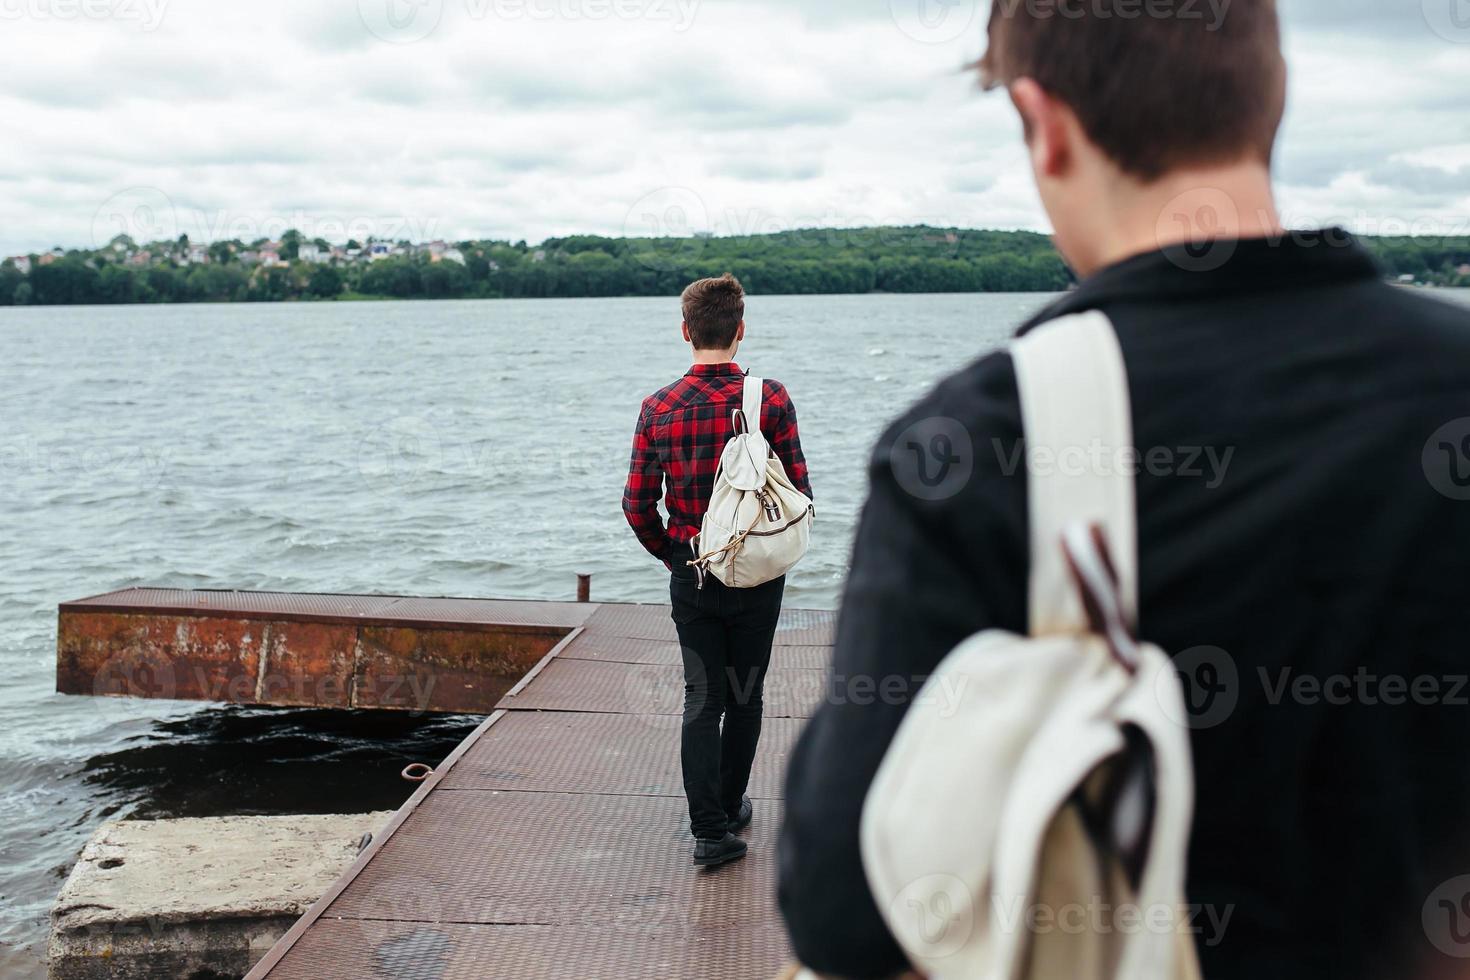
(454, 448)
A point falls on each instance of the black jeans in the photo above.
(725, 635)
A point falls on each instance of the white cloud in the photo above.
(529, 118)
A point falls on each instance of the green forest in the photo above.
(916, 259)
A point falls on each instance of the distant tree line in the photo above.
(916, 259)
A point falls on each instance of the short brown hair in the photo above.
(713, 309)
(1156, 84)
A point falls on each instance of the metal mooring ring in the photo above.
(417, 772)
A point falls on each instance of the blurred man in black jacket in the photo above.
(1303, 433)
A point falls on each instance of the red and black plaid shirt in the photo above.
(682, 429)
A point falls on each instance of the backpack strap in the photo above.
(1080, 459)
(750, 402)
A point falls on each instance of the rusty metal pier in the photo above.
(553, 842)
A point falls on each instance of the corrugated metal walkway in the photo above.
(554, 841)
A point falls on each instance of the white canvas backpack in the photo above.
(1039, 791)
(758, 524)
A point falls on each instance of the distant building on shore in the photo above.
(22, 263)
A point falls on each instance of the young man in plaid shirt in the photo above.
(725, 634)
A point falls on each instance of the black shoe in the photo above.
(712, 852)
(741, 820)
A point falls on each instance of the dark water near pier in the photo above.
(473, 448)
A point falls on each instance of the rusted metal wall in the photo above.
(254, 651)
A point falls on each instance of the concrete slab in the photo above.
(201, 898)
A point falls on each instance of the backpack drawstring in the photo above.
(702, 562)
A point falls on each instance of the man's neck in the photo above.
(714, 356)
(1200, 205)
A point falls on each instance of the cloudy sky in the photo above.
(529, 118)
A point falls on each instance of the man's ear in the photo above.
(684, 326)
(1044, 120)
(740, 332)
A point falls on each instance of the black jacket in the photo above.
(1304, 524)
